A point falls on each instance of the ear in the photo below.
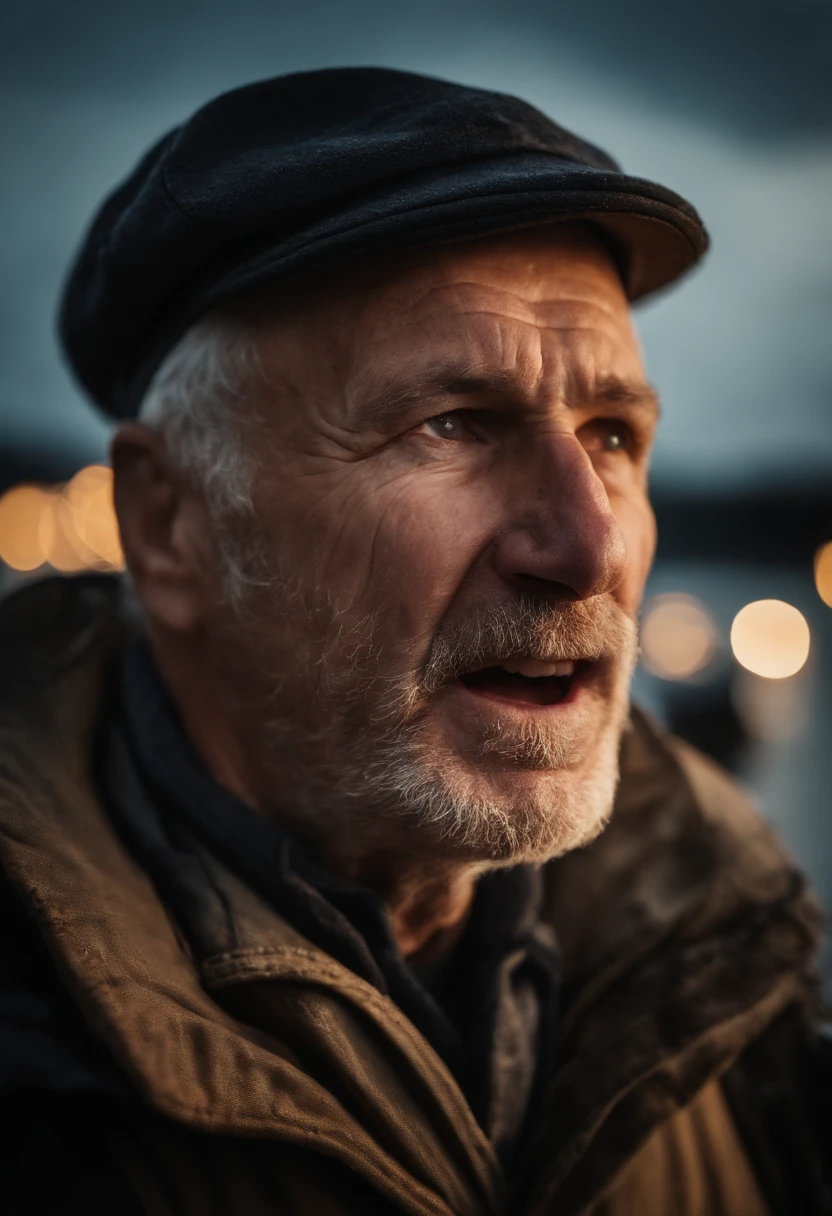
(165, 530)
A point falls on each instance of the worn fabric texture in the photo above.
(488, 1008)
(301, 172)
(147, 1068)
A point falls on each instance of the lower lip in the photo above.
(577, 688)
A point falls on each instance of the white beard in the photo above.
(447, 802)
(385, 779)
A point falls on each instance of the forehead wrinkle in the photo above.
(402, 311)
(475, 362)
(525, 308)
(615, 393)
(503, 365)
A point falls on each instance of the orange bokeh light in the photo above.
(21, 511)
(71, 528)
(678, 637)
(823, 572)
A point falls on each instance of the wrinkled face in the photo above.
(454, 529)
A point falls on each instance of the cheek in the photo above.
(638, 527)
(397, 546)
(424, 540)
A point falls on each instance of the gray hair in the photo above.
(193, 402)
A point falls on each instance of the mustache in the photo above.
(528, 627)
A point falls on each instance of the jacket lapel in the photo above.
(685, 931)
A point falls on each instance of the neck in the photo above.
(428, 898)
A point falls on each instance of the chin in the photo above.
(509, 815)
(547, 817)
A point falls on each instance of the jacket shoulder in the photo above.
(44, 1043)
(45, 627)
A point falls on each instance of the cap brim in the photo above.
(660, 233)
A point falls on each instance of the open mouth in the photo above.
(527, 681)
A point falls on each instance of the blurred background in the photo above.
(730, 104)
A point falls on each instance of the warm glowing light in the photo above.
(678, 637)
(58, 539)
(823, 572)
(21, 511)
(72, 527)
(770, 638)
(89, 498)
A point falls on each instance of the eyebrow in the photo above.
(453, 380)
(613, 390)
(446, 380)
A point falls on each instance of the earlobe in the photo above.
(160, 528)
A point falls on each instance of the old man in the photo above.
(340, 875)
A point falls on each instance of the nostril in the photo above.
(570, 551)
(549, 588)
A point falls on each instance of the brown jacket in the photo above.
(266, 1077)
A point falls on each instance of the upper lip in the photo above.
(531, 666)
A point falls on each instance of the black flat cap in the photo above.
(296, 173)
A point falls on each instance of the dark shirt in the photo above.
(488, 1008)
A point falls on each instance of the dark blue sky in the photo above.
(729, 103)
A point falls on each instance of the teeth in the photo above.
(535, 668)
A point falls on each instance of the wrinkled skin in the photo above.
(463, 434)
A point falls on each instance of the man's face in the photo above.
(452, 518)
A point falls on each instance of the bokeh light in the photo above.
(89, 498)
(70, 528)
(770, 638)
(678, 637)
(823, 572)
(60, 545)
(21, 511)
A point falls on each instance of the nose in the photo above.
(563, 538)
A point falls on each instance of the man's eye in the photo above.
(446, 426)
(615, 439)
(607, 437)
